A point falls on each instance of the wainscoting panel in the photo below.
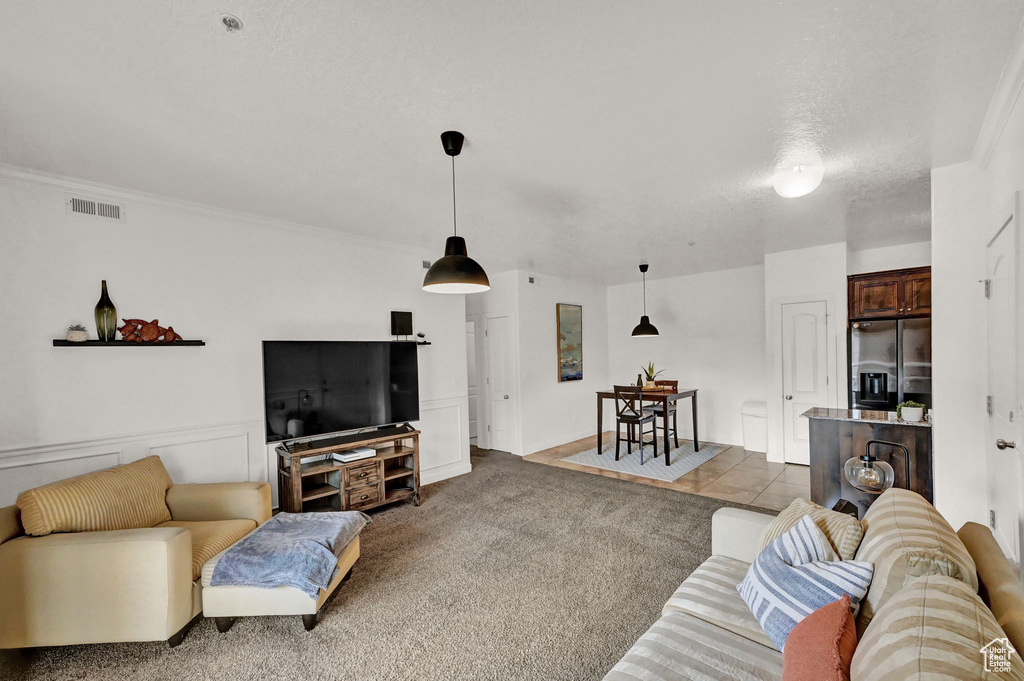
(220, 453)
(18, 474)
(444, 440)
(222, 459)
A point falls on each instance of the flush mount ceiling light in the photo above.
(231, 22)
(799, 180)
(456, 272)
(645, 328)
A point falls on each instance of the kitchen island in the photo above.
(839, 434)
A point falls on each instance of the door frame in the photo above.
(1011, 221)
(484, 363)
(1015, 208)
(472, 323)
(834, 337)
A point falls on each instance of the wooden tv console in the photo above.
(329, 485)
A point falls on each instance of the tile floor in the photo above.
(734, 475)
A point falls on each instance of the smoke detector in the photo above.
(231, 22)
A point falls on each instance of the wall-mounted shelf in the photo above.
(61, 343)
(422, 342)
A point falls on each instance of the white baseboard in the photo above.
(572, 437)
(560, 440)
(444, 472)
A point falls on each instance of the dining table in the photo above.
(656, 395)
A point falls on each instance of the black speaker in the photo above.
(401, 323)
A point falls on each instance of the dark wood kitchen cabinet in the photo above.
(891, 294)
(917, 294)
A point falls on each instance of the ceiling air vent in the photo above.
(84, 205)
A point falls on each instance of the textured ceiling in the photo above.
(598, 133)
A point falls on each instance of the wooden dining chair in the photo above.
(659, 412)
(629, 411)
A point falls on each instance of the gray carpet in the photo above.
(516, 571)
(683, 459)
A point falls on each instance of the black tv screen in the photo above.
(318, 387)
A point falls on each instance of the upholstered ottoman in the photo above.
(225, 603)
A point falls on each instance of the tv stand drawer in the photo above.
(362, 496)
(363, 474)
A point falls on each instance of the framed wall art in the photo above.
(569, 323)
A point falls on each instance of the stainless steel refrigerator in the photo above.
(890, 362)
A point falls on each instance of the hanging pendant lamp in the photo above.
(645, 328)
(456, 272)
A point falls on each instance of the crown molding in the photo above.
(114, 193)
(1011, 82)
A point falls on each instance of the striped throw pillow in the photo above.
(843, 532)
(121, 498)
(796, 575)
(935, 628)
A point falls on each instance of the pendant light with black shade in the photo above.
(455, 272)
(645, 328)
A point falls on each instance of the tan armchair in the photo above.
(140, 584)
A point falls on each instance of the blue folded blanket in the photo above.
(290, 549)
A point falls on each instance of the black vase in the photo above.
(106, 316)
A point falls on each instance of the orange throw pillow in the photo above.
(820, 647)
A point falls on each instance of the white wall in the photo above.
(959, 334)
(889, 258)
(711, 338)
(969, 202)
(807, 273)
(547, 412)
(554, 413)
(230, 279)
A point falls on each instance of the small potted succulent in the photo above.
(650, 374)
(911, 412)
(77, 334)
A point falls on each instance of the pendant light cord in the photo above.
(455, 218)
(645, 293)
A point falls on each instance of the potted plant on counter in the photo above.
(911, 412)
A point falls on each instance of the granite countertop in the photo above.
(861, 415)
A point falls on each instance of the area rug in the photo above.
(517, 571)
(683, 459)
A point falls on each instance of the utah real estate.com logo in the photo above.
(997, 655)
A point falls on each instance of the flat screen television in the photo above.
(317, 387)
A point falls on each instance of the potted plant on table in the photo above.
(650, 374)
(911, 412)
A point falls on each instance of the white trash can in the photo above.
(755, 426)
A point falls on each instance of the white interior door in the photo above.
(805, 370)
(471, 375)
(1003, 464)
(501, 416)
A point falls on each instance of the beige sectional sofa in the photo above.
(72, 583)
(922, 617)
